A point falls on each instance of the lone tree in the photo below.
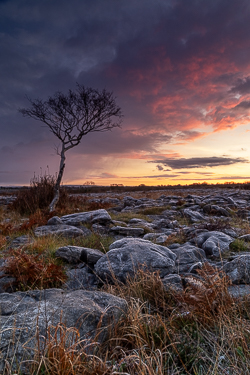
(72, 116)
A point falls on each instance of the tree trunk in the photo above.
(58, 181)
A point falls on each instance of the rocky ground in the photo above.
(172, 234)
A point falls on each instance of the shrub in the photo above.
(33, 271)
(38, 196)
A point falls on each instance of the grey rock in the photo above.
(100, 229)
(129, 254)
(195, 267)
(90, 256)
(60, 230)
(70, 254)
(91, 217)
(239, 291)
(194, 216)
(127, 231)
(55, 220)
(80, 278)
(172, 283)
(21, 241)
(216, 210)
(25, 316)
(214, 243)
(188, 255)
(239, 269)
(245, 237)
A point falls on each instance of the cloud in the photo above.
(179, 69)
(198, 162)
(242, 86)
(245, 104)
(159, 167)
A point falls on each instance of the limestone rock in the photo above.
(98, 216)
(127, 255)
(26, 316)
(60, 230)
(239, 269)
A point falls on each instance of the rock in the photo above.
(21, 241)
(194, 216)
(90, 256)
(127, 231)
(60, 230)
(216, 210)
(100, 229)
(239, 291)
(195, 267)
(70, 254)
(214, 243)
(127, 255)
(7, 282)
(245, 237)
(188, 255)
(26, 316)
(239, 269)
(91, 217)
(55, 220)
(172, 283)
(80, 278)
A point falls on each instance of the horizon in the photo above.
(180, 72)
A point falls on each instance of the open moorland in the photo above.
(137, 281)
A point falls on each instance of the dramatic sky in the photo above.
(179, 69)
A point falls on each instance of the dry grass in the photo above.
(200, 331)
(33, 271)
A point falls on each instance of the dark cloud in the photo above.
(242, 86)
(245, 104)
(159, 167)
(214, 161)
(177, 68)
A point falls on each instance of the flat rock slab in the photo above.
(98, 216)
(126, 256)
(127, 231)
(60, 230)
(25, 316)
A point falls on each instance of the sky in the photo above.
(179, 70)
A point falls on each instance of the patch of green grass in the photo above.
(238, 245)
(127, 216)
(154, 210)
(93, 241)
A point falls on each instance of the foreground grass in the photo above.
(201, 331)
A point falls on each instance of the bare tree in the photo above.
(72, 116)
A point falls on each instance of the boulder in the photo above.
(80, 278)
(214, 243)
(27, 316)
(239, 269)
(91, 217)
(188, 255)
(127, 255)
(55, 220)
(90, 256)
(70, 254)
(194, 216)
